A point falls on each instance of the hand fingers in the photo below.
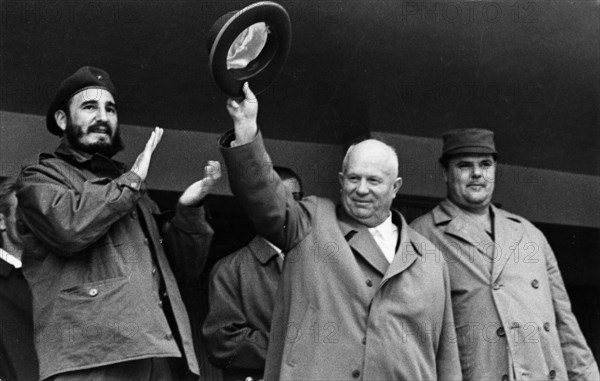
(214, 169)
(232, 103)
(250, 97)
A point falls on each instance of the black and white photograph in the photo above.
(241, 190)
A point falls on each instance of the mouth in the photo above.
(476, 186)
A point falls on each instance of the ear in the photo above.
(2, 222)
(397, 185)
(61, 119)
(445, 174)
(341, 178)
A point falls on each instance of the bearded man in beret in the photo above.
(511, 310)
(101, 266)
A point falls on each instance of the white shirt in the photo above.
(11, 259)
(386, 236)
(280, 256)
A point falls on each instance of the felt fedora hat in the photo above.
(249, 45)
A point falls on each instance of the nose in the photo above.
(363, 187)
(101, 115)
(477, 171)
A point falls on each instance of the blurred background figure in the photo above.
(17, 353)
(241, 301)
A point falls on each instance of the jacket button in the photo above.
(356, 373)
(369, 282)
(547, 327)
(535, 283)
(552, 374)
(169, 336)
(160, 303)
(154, 270)
(496, 286)
(93, 292)
(505, 377)
(364, 340)
(500, 332)
(161, 241)
(134, 214)
(146, 241)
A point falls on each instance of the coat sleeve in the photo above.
(69, 219)
(579, 359)
(447, 359)
(231, 341)
(269, 204)
(187, 240)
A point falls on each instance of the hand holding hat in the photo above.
(249, 45)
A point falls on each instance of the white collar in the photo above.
(386, 228)
(10, 259)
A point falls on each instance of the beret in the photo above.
(84, 78)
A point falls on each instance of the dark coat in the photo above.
(17, 355)
(343, 312)
(508, 297)
(241, 300)
(92, 250)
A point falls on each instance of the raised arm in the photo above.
(268, 203)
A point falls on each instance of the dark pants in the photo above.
(153, 369)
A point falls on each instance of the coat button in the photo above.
(134, 214)
(154, 270)
(146, 241)
(500, 332)
(496, 286)
(160, 303)
(369, 282)
(93, 292)
(364, 340)
(356, 373)
(535, 283)
(552, 374)
(161, 241)
(169, 336)
(547, 327)
(505, 377)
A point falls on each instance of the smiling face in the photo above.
(91, 124)
(470, 181)
(369, 182)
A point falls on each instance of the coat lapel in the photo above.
(406, 253)
(460, 227)
(508, 234)
(361, 241)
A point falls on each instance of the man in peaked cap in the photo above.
(101, 266)
(512, 314)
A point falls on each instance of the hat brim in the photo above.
(262, 71)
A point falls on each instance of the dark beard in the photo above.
(74, 134)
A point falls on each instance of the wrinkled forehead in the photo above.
(371, 162)
(97, 94)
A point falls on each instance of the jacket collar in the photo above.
(362, 242)
(261, 249)
(508, 232)
(93, 161)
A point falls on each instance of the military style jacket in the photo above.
(97, 264)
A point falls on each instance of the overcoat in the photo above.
(343, 312)
(511, 308)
